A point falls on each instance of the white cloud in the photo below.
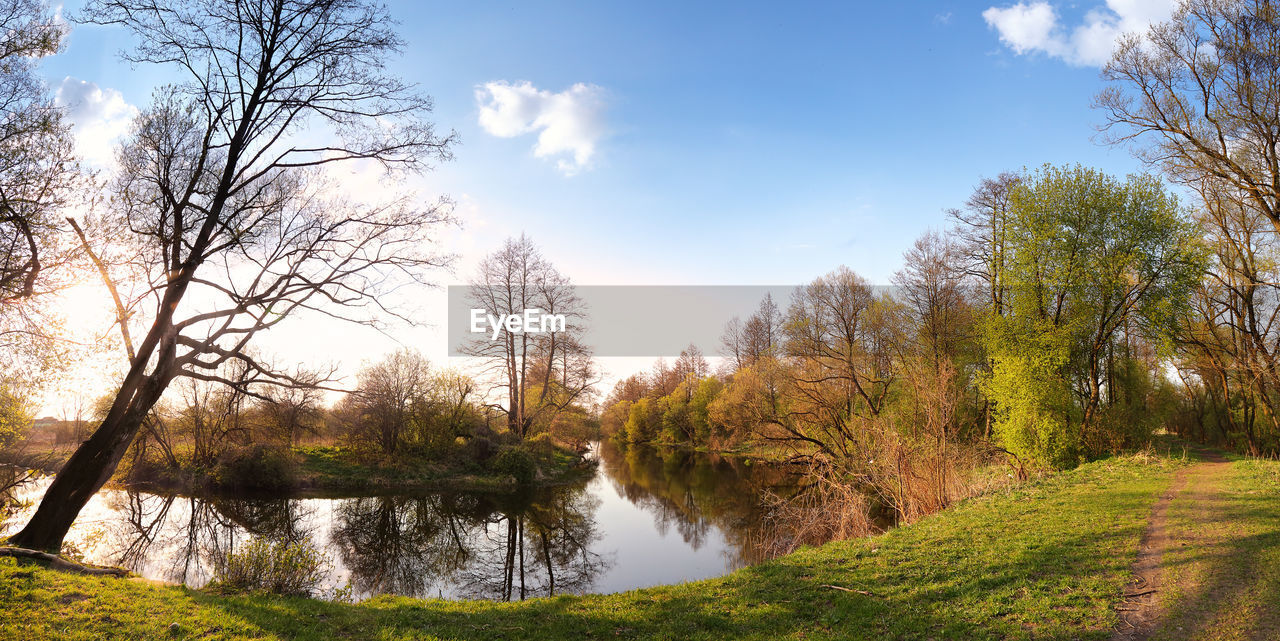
(1029, 27)
(100, 116)
(569, 123)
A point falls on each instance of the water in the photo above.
(647, 517)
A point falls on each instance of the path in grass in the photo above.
(1209, 562)
(1139, 608)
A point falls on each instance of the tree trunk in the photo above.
(87, 471)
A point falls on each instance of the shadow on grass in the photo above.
(1227, 535)
(1010, 573)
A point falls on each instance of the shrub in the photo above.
(479, 449)
(15, 414)
(274, 567)
(517, 461)
(542, 444)
(256, 467)
(146, 464)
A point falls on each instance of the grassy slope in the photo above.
(1046, 560)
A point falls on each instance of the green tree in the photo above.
(1096, 265)
(700, 408)
(15, 414)
(642, 421)
(1028, 385)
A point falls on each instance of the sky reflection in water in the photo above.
(647, 517)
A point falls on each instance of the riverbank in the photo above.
(327, 468)
(755, 451)
(337, 469)
(1048, 559)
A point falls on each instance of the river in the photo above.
(647, 516)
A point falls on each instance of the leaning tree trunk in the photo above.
(87, 471)
(96, 459)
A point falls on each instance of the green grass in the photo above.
(330, 467)
(1222, 572)
(1046, 560)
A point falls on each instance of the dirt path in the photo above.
(1140, 610)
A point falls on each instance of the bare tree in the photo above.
(1202, 91)
(539, 374)
(663, 378)
(213, 417)
(760, 336)
(763, 332)
(930, 284)
(840, 340)
(1229, 339)
(385, 400)
(733, 344)
(1199, 96)
(691, 362)
(983, 247)
(291, 411)
(38, 175)
(221, 182)
(36, 161)
(982, 228)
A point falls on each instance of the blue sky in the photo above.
(745, 142)
(725, 143)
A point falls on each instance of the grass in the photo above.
(337, 468)
(1045, 560)
(1222, 573)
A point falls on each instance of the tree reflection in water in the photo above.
(471, 545)
(400, 544)
(542, 547)
(449, 545)
(189, 534)
(695, 491)
(463, 545)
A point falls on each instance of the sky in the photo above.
(701, 143)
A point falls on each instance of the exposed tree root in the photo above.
(58, 563)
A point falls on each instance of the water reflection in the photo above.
(12, 478)
(697, 492)
(180, 538)
(470, 545)
(461, 545)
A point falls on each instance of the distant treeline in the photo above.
(402, 410)
(1064, 315)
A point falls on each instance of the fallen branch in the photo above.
(1138, 594)
(58, 563)
(843, 589)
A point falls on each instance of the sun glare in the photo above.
(85, 311)
(84, 314)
